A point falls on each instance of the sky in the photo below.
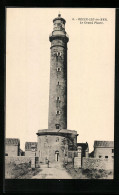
(91, 61)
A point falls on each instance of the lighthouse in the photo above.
(55, 142)
(58, 75)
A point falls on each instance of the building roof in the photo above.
(59, 18)
(104, 144)
(83, 145)
(12, 141)
(28, 145)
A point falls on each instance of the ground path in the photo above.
(52, 173)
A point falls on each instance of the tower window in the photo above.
(58, 112)
(112, 150)
(58, 83)
(58, 53)
(58, 69)
(57, 126)
(58, 98)
(106, 156)
(100, 156)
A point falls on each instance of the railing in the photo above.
(51, 34)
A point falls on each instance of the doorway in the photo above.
(57, 156)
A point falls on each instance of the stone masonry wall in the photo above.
(97, 163)
(58, 76)
(28, 153)
(58, 90)
(103, 152)
(11, 150)
(49, 145)
(17, 159)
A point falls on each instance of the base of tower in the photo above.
(54, 144)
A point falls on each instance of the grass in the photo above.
(77, 173)
(98, 174)
(20, 171)
(23, 171)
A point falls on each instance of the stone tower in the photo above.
(58, 76)
(55, 142)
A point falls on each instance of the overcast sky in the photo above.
(90, 72)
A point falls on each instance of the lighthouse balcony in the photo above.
(58, 34)
(60, 132)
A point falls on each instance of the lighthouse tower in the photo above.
(55, 142)
(58, 76)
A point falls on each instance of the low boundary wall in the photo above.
(97, 163)
(17, 159)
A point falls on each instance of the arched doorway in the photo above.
(56, 155)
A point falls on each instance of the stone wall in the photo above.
(58, 88)
(54, 148)
(104, 152)
(97, 163)
(58, 78)
(17, 159)
(12, 150)
(77, 162)
(28, 153)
